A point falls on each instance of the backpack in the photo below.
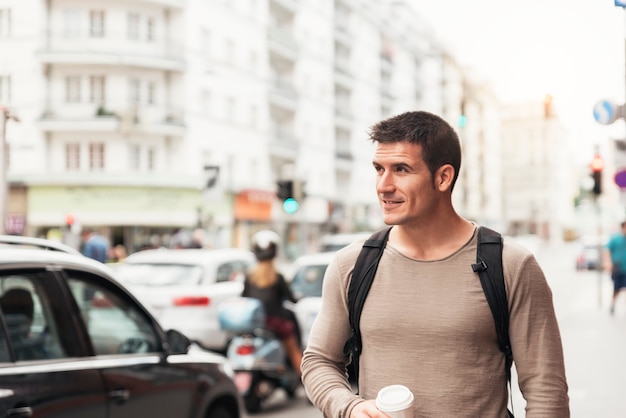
(488, 266)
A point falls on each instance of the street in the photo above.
(594, 343)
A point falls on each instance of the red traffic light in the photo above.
(597, 164)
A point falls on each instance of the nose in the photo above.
(384, 183)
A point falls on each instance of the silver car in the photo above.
(183, 287)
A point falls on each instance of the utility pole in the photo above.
(5, 116)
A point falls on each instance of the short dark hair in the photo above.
(440, 143)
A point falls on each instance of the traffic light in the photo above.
(597, 165)
(462, 122)
(287, 193)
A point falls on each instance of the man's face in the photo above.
(403, 183)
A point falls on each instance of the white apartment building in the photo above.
(539, 177)
(140, 117)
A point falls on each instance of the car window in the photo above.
(114, 322)
(308, 281)
(30, 328)
(232, 270)
(159, 274)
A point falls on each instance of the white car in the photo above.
(335, 242)
(306, 285)
(183, 287)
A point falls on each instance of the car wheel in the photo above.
(220, 411)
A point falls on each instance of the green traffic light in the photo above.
(462, 121)
(290, 206)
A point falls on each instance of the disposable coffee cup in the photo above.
(395, 401)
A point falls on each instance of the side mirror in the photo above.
(178, 343)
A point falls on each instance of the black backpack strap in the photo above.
(489, 268)
(360, 284)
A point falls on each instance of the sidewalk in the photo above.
(594, 342)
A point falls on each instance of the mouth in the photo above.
(390, 203)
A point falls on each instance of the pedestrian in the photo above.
(95, 245)
(269, 286)
(614, 260)
(426, 323)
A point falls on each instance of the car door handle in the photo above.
(120, 395)
(23, 412)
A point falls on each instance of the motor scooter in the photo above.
(256, 354)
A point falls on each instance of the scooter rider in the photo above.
(265, 283)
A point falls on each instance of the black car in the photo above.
(76, 343)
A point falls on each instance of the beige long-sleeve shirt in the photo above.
(427, 325)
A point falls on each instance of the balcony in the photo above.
(283, 143)
(139, 120)
(290, 5)
(112, 50)
(282, 43)
(283, 94)
(171, 4)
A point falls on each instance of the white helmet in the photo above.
(265, 244)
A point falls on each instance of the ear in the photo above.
(443, 177)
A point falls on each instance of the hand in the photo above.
(367, 409)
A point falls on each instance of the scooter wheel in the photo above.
(291, 392)
(252, 403)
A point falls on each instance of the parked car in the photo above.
(589, 256)
(335, 242)
(306, 285)
(74, 342)
(183, 287)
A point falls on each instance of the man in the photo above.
(615, 262)
(426, 323)
(95, 245)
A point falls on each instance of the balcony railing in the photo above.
(172, 4)
(142, 119)
(112, 49)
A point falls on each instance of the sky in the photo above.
(573, 50)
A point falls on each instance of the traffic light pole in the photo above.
(599, 244)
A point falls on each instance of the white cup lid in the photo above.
(394, 398)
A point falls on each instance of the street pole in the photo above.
(5, 116)
(600, 247)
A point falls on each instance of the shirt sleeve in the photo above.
(324, 365)
(536, 339)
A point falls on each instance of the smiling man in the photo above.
(426, 323)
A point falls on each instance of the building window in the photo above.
(97, 89)
(133, 26)
(135, 157)
(72, 89)
(5, 89)
(151, 93)
(72, 157)
(206, 42)
(6, 24)
(134, 91)
(96, 157)
(96, 23)
(205, 102)
(150, 27)
(71, 23)
(150, 159)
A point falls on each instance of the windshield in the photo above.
(308, 281)
(159, 274)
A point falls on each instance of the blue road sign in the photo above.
(620, 3)
(620, 178)
(605, 112)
